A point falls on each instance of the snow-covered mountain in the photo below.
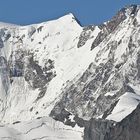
(84, 77)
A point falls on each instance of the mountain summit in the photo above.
(59, 80)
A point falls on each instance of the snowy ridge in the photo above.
(8, 25)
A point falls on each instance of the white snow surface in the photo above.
(127, 103)
(42, 128)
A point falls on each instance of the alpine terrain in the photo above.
(62, 81)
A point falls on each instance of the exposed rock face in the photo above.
(127, 129)
(85, 35)
(111, 25)
(97, 129)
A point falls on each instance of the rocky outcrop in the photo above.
(85, 35)
(110, 26)
(127, 129)
(97, 129)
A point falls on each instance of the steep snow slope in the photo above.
(40, 60)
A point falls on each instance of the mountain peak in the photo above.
(70, 17)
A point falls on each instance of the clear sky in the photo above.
(35, 11)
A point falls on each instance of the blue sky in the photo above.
(34, 11)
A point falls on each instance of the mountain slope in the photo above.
(74, 74)
(39, 58)
(107, 88)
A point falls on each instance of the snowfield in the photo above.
(42, 128)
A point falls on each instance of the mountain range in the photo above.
(59, 80)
